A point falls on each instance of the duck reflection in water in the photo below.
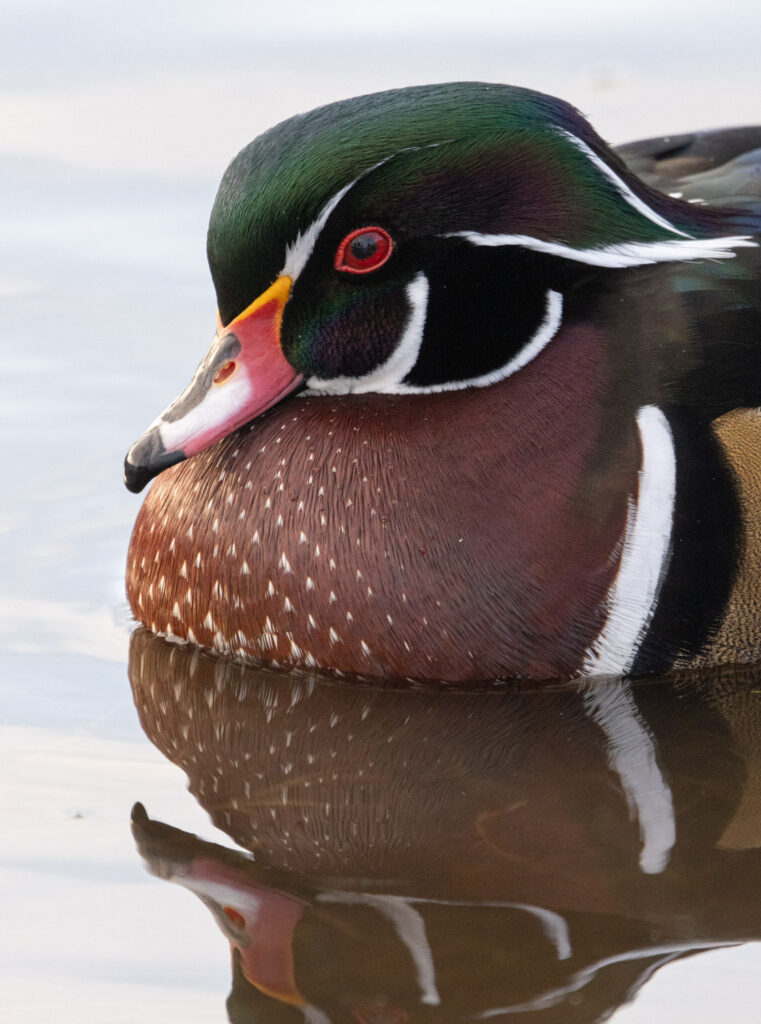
(436, 856)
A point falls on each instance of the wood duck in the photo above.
(505, 393)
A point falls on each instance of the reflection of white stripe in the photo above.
(581, 978)
(313, 1015)
(622, 254)
(410, 928)
(554, 926)
(634, 594)
(631, 754)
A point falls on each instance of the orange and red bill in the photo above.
(243, 374)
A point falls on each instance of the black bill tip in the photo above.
(136, 477)
(146, 459)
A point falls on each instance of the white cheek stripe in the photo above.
(631, 755)
(644, 560)
(553, 316)
(388, 378)
(623, 254)
(621, 187)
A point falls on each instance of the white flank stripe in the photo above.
(621, 187)
(644, 559)
(631, 754)
(624, 254)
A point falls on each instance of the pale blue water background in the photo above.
(117, 121)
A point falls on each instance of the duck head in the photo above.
(418, 240)
(523, 348)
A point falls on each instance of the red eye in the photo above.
(363, 250)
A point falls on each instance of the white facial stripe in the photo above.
(299, 251)
(302, 247)
(217, 406)
(625, 254)
(389, 377)
(647, 546)
(621, 187)
(631, 754)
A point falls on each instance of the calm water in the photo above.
(417, 856)
(344, 852)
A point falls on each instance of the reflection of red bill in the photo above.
(242, 375)
(259, 922)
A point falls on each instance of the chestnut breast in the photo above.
(458, 536)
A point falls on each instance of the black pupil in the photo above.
(364, 247)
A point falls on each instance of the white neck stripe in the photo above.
(554, 925)
(633, 596)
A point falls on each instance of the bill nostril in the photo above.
(225, 372)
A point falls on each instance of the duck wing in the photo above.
(716, 168)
